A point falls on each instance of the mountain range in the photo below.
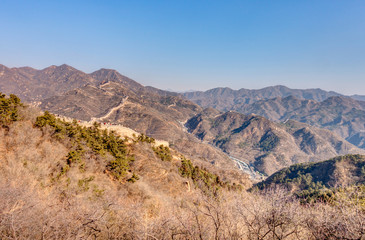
(226, 99)
(341, 114)
(85, 174)
(267, 145)
(211, 135)
(80, 180)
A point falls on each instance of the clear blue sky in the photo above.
(194, 44)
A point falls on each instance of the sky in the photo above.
(194, 44)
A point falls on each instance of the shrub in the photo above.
(119, 166)
(9, 109)
(84, 183)
(145, 138)
(208, 182)
(134, 178)
(268, 142)
(163, 153)
(98, 141)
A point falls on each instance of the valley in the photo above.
(343, 115)
(132, 158)
(182, 120)
(107, 96)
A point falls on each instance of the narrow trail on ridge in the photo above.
(111, 111)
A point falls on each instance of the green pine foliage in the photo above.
(208, 182)
(163, 152)
(268, 142)
(312, 195)
(100, 142)
(9, 109)
(311, 182)
(145, 138)
(134, 178)
(84, 184)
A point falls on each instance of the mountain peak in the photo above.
(106, 72)
(63, 67)
(106, 75)
(281, 87)
(3, 68)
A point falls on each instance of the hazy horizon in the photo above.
(194, 44)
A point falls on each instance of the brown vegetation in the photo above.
(273, 215)
(152, 201)
(266, 145)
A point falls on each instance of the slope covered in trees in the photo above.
(321, 180)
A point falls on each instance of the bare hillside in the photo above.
(266, 145)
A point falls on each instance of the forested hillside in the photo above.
(322, 181)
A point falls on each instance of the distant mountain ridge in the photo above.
(226, 99)
(267, 145)
(34, 85)
(109, 97)
(358, 97)
(341, 114)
